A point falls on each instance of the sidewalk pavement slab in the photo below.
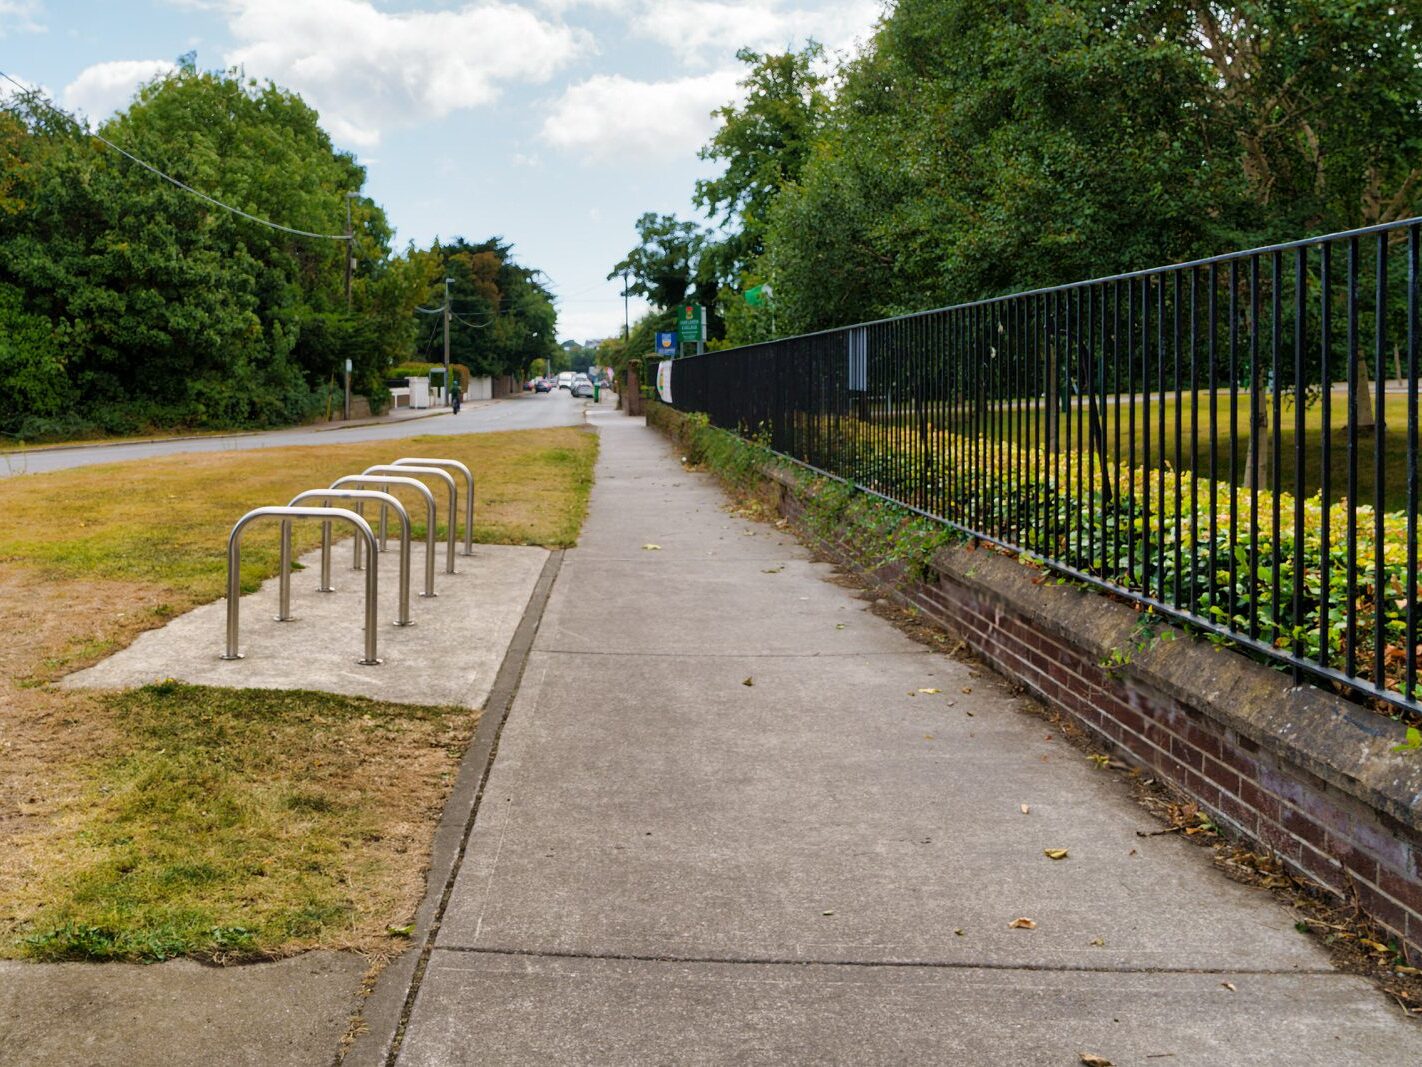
(672, 865)
(449, 656)
(82, 1014)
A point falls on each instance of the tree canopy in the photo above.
(127, 302)
(974, 148)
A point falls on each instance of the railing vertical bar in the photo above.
(1380, 590)
(1254, 446)
(1212, 573)
(1065, 405)
(1131, 435)
(1147, 541)
(1120, 507)
(1160, 567)
(1233, 598)
(1179, 420)
(1276, 437)
(1300, 575)
(1350, 653)
(1409, 683)
(1194, 439)
(1092, 492)
(1325, 337)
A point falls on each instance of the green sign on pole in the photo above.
(691, 324)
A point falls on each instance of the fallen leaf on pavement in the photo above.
(967, 689)
(749, 681)
(1097, 942)
(930, 691)
(1093, 1060)
(1055, 853)
(1026, 809)
(651, 548)
(1100, 761)
(827, 912)
(1022, 924)
(839, 626)
(959, 931)
(1228, 985)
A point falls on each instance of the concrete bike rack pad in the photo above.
(450, 655)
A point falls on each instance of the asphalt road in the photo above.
(529, 412)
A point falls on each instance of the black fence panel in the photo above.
(1231, 441)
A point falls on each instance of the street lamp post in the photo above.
(350, 248)
(447, 392)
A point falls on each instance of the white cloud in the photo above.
(706, 31)
(102, 89)
(368, 70)
(609, 116)
(20, 16)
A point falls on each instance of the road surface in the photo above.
(528, 412)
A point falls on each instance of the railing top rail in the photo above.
(1147, 272)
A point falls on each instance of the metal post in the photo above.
(430, 522)
(388, 502)
(430, 472)
(326, 586)
(446, 346)
(452, 464)
(626, 327)
(349, 249)
(284, 574)
(234, 571)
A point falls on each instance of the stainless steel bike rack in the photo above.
(387, 482)
(234, 570)
(429, 472)
(452, 464)
(326, 496)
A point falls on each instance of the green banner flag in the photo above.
(758, 295)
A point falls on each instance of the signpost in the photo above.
(691, 325)
(666, 344)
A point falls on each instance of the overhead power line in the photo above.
(27, 91)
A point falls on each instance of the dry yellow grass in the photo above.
(88, 559)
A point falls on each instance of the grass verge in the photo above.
(211, 823)
(227, 824)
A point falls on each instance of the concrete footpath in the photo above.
(734, 816)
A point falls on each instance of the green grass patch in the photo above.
(166, 520)
(232, 824)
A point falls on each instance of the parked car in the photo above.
(542, 386)
(582, 387)
(565, 380)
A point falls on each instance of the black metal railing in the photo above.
(1232, 441)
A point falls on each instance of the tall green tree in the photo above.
(503, 315)
(169, 309)
(979, 147)
(762, 143)
(670, 267)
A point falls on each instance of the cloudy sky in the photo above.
(553, 123)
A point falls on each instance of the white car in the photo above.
(565, 380)
(582, 386)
